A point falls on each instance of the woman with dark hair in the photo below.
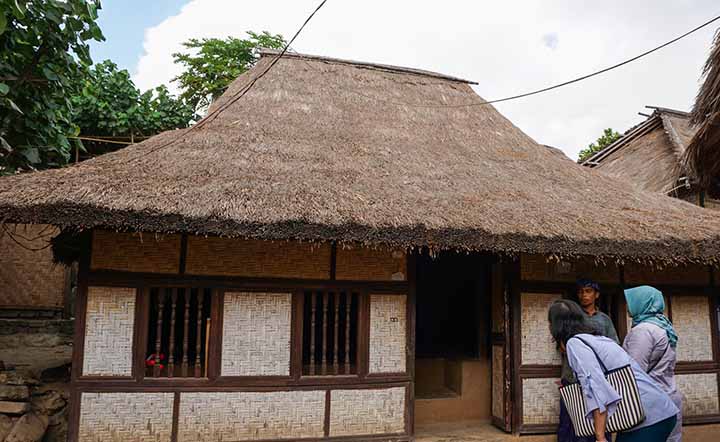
(580, 340)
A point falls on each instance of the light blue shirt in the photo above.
(599, 394)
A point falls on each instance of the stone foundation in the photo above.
(35, 359)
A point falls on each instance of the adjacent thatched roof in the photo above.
(703, 155)
(323, 149)
(650, 154)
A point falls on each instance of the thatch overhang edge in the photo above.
(663, 252)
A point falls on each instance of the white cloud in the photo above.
(502, 45)
(551, 40)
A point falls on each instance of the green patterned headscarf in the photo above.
(646, 304)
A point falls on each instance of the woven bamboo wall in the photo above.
(541, 401)
(498, 376)
(28, 277)
(251, 258)
(537, 268)
(110, 317)
(538, 347)
(222, 416)
(700, 393)
(364, 264)
(135, 252)
(691, 318)
(126, 417)
(256, 334)
(388, 333)
(367, 412)
(636, 274)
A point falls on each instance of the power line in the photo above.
(545, 89)
(244, 90)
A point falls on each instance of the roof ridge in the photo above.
(363, 64)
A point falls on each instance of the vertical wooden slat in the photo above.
(312, 332)
(323, 368)
(171, 350)
(198, 339)
(348, 302)
(186, 332)
(158, 339)
(336, 328)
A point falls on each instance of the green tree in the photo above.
(43, 47)
(608, 137)
(212, 64)
(107, 103)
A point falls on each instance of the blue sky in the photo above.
(124, 22)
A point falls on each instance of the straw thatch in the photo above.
(323, 149)
(650, 154)
(703, 154)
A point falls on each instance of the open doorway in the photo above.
(453, 333)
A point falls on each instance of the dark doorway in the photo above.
(453, 305)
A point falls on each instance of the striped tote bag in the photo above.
(629, 412)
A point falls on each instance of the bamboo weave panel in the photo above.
(366, 412)
(691, 274)
(388, 333)
(126, 417)
(365, 264)
(541, 401)
(28, 277)
(110, 317)
(700, 393)
(498, 381)
(256, 334)
(256, 258)
(538, 268)
(537, 344)
(135, 252)
(222, 416)
(691, 318)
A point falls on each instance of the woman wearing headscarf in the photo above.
(652, 342)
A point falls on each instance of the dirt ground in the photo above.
(485, 432)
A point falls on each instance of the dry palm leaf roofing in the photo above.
(651, 154)
(703, 155)
(325, 149)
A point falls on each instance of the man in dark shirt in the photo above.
(588, 295)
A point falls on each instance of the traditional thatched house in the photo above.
(652, 155)
(703, 156)
(347, 251)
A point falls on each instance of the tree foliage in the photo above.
(608, 137)
(107, 103)
(211, 64)
(43, 47)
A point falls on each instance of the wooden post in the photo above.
(336, 328)
(323, 369)
(312, 333)
(186, 332)
(171, 350)
(348, 303)
(198, 339)
(158, 338)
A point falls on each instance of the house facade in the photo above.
(349, 252)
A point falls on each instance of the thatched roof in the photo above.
(703, 154)
(650, 154)
(323, 149)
